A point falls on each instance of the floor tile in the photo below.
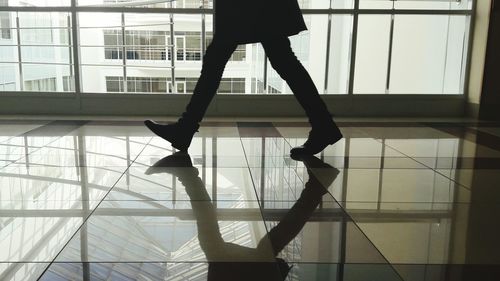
(37, 239)
(230, 146)
(200, 271)
(432, 233)
(395, 185)
(444, 272)
(343, 272)
(196, 234)
(221, 183)
(21, 182)
(22, 271)
(163, 271)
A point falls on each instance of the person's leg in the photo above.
(180, 134)
(214, 61)
(324, 131)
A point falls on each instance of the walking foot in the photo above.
(178, 134)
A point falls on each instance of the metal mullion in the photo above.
(40, 27)
(74, 40)
(354, 42)
(470, 36)
(203, 35)
(328, 46)
(34, 9)
(265, 74)
(38, 45)
(446, 54)
(140, 10)
(70, 49)
(132, 25)
(124, 54)
(389, 56)
(19, 55)
(413, 12)
(211, 11)
(173, 57)
(34, 62)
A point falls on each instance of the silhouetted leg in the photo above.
(286, 64)
(324, 131)
(214, 62)
(295, 219)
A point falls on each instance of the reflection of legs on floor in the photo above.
(209, 235)
(324, 130)
(295, 219)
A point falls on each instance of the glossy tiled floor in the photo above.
(401, 201)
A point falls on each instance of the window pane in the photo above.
(427, 54)
(340, 52)
(416, 4)
(9, 77)
(42, 52)
(372, 54)
(36, 3)
(142, 3)
(45, 78)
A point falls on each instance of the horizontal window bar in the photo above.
(141, 10)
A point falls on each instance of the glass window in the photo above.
(395, 54)
(372, 54)
(427, 54)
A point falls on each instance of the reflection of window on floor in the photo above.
(158, 5)
(46, 84)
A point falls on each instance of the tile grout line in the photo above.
(355, 224)
(37, 149)
(348, 216)
(429, 168)
(92, 212)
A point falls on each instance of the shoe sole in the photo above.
(151, 127)
(303, 152)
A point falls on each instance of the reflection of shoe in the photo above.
(178, 164)
(317, 141)
(319, 171)
(178, 134)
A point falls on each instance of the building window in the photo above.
(136, 84)
(5, 21)
(41, 85)
(114, 84)
(68, 84)
(232, 85)
(140, 44)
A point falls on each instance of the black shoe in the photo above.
(316, 142)
(178, 164)
(178, 134)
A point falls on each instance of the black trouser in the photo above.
(283, 60)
